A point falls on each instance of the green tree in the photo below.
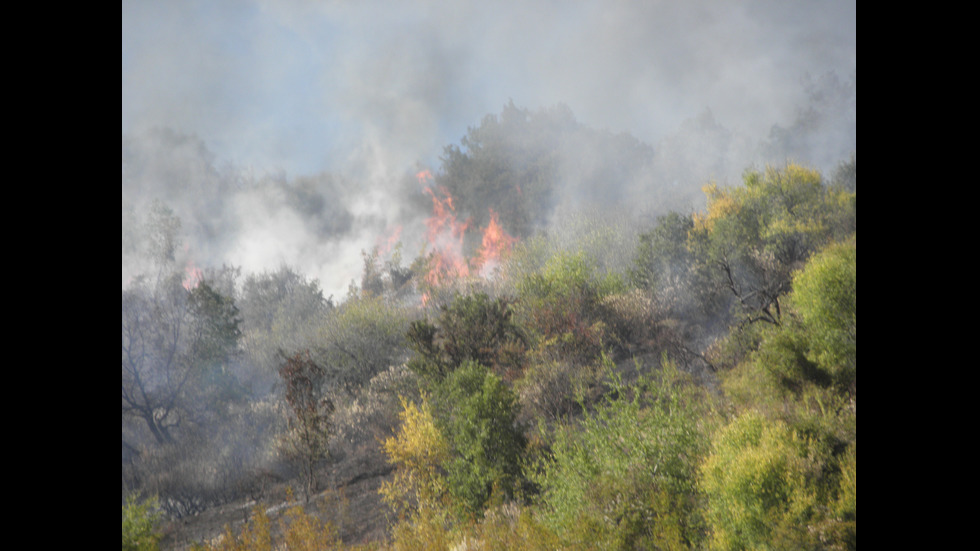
(215, 346)
(784, 472)
(805, 368)
(151, 239)
(281, 310)
(754, 237)
(360, 339)
(825, 295)
(663, 259)
(845, 175)
(523, 163)
(507, 163)
(478, 414)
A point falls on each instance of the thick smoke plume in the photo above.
(290, 132)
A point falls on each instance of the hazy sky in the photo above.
(366, 89)
(305, 85)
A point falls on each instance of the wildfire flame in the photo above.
(425, 176)
(384, 245)
(496, 242)
(193, 274)
(445, 236)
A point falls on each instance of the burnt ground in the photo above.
(349, 500)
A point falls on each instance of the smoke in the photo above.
(286, 131)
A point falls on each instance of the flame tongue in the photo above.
(495, 243)
(385, 245)
(445, 238)
(445, 235)
(192, 274)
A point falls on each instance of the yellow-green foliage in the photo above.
(139, 524)
(803, 370)
(306, 532)
(753, 237)
(771, 206)
(758, 480)
(562, 306)
(299, 531)
(825, 294)
(785, 471)
(418, 493)
(626, 476)
(847, 500)
(509, 527)
(255, 536)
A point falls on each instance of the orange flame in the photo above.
(384, 245)
(425, 177)
(445, 235)
(194, 276)
(496, 242)
(445, 238)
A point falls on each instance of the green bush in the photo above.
(759, 479)
(139, 524)
(803, 370)
(470, 328)
(562, 305)
(825, 295)
(625, 476)
(785, 470)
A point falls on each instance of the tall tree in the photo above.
(155, 370)
(176, 345)
(754, 237)
(280, 310)
(309, 419)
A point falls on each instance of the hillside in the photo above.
(595, 380)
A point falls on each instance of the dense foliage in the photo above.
(626, 476)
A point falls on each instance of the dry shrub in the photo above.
(202, 469)
(548, 390)
(509, 527)
(297, 530)
(373, 413)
